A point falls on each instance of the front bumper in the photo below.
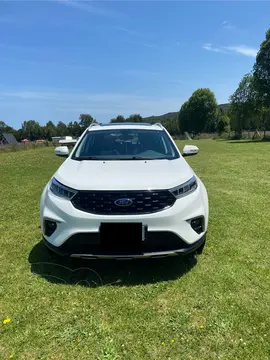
(169, 231)
(67, 251)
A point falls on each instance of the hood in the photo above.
(124, 175)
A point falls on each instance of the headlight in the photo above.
(62, 191)
(185, 189)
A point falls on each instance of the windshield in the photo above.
(125, 144)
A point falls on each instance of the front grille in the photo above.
(103, 202)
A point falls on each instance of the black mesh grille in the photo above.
(103, 202)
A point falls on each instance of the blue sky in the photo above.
(60, 58)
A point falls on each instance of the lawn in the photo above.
(215, 307)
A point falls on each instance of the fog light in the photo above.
(197, 225)
(50, 227)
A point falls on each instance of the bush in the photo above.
(235, 137)
(23, 146)
(223, 124)
(14, 148)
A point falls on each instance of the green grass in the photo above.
(215, 308)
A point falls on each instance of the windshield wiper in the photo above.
(141, 158)
(87, 158)
(149, 158)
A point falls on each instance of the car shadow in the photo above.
(95, 273)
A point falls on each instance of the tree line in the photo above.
(32, 130)
(170, 123)
(250, 103)
(249, 109)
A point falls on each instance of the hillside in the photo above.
(173, 115)
(160, 118)
(224, 107)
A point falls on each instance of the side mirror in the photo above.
(190, 150)
(61, 151)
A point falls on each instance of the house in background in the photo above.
(7, 139)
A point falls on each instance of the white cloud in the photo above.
(227, 25)
(32, 95)
(90, 8)
(242, 49)
(98, 104)
(239, 49)
(209, 47)
(125, 104)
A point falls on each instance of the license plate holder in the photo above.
(122, 237)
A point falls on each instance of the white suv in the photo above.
(124, 191)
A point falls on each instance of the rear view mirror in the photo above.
(190, 150)
(61, 151)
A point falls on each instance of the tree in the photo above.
(199, 113)
(244, 105)
(262, 71)
(18, 134)
(171, 125)
(265, 119)
(118, 119)
(50, 130)
(85, 121)
(184, 122)
(70, 128)
(76, 129)
(5, 128)
(32, 130)
(223, 123)
(61, 129)
(2, 125)
(134, 118)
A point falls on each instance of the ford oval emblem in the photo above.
(124, 202)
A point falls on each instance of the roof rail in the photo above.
(159, 124)
(93, 124)
(126, 123)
